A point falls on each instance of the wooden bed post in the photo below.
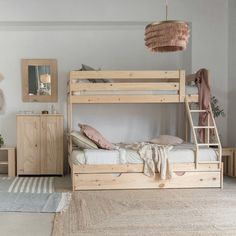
(69, 117)
(182, 99)
(187, 139)
(181, 85)
(222, 176)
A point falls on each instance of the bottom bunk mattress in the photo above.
(183, 153)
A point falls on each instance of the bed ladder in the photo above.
(211, 125)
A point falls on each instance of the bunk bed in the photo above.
(143, 87)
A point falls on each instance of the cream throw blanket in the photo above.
(155, 158)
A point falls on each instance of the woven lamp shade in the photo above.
(167, 36)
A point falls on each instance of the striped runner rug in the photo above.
(31, 194)
(27, 184)
(32, 185)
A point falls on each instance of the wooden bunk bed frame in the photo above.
(130, 176)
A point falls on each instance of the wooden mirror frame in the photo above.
(25, 80)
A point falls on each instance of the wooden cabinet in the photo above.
(51, 144)
(39, 144)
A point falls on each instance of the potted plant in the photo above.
(217, 112)
(1, 141)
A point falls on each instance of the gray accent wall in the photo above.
(109, 34)
(232, 75)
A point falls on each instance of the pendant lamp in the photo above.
(167, 36)
(45, 79)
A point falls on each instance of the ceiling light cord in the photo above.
(166, 10)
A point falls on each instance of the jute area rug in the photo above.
(149, 212)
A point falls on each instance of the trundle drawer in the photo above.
(140, 181)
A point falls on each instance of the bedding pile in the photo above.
(155, 158)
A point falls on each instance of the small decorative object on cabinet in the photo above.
(11, 160)
(228, 157)
(40, 144)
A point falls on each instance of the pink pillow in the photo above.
(96, 137)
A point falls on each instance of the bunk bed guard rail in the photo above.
(126, 86)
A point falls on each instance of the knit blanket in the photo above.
(155, 158)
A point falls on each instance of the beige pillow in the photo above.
(82, 141)
(96, 137)
(167, 140)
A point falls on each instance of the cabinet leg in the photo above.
(11, 163)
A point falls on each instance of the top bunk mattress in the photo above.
(183, 153)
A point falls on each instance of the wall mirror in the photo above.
(39, 80)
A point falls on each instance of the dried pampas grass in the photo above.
(1, 94)
(1, 77)
(1, 100)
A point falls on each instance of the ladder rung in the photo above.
(209, 162)
(198, 110)
(3, 162)
(208, 144)
(203, 127)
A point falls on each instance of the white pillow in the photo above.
(82, 141)
(167, 140)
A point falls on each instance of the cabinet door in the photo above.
(28, 145)
(52, 145)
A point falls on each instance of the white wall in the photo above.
(232, 75)
(92, 32)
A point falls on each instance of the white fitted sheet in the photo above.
(183, 153)
(190, 90)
